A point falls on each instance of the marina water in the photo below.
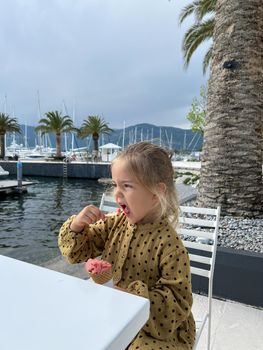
(29, 223)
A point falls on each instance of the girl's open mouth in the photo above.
(125, 209)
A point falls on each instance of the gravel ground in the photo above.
(239, 233)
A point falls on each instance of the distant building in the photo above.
(109, 152)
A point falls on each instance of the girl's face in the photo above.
(137, 203)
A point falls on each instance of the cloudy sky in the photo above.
(120, 59)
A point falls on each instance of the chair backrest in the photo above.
(107, 203)
(199, 231)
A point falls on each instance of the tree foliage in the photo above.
(94, 125)
(200, 31)
(57, 124)
(7, 124)
(197, 113)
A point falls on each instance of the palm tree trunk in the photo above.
(231, 166)
(95, 152)
(58, 145)
(2, 146)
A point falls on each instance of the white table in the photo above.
(42, 309)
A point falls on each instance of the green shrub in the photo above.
(191, 180)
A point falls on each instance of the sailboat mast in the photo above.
(123, 135)
(72, 133)
(5, 104)
(171, 141)
(26, 144)
(184, 146)
(65, 112)
(39, 117)
(5, 109)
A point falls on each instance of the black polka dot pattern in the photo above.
(150, 261)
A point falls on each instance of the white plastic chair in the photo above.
(203, 233)
(107, 203)
(202, 248)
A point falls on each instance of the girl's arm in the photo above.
(170, 297)
(83, 236)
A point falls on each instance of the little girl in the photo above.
(140, 242)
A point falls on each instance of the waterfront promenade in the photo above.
(90, 170)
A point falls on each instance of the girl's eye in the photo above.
(127, 186)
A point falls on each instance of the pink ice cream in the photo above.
(96, 266)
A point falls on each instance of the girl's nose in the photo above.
(118, 193)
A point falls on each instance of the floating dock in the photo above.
(11, 186)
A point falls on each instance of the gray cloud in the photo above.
(118, 59)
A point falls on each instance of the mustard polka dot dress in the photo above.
(149, 260)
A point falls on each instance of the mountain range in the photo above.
(174, 138)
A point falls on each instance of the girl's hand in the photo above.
(122, 289)
(88, 215)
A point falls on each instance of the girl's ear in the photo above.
(162, 187)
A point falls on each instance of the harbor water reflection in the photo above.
(29, 223)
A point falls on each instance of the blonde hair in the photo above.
(151, 165)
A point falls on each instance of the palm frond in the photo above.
(187, 11)
(205, 7)
(8, 124)
(43, 129)
(200, 31)
(207, 59)
(196, 35)
(43, 121)
(56, 123)
(94, 125)
(199, 9)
